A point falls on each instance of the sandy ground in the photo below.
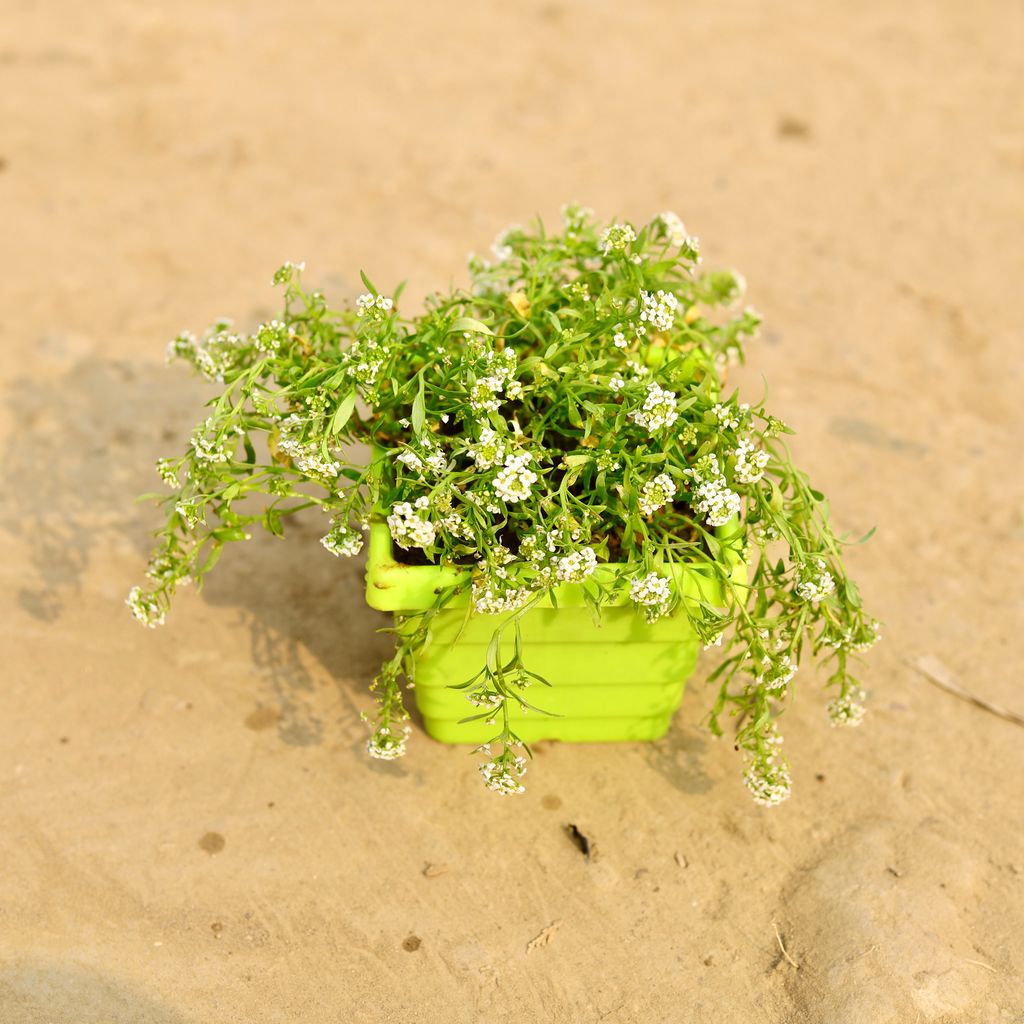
(190, 831)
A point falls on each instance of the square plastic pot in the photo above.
(618, 679)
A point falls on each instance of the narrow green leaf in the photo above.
(343, 413)
(419, 412)
(468, 323)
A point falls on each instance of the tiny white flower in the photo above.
(616, 238)
(656, 493)
(145, 607)
(659, 409)
(653, 592)
(503, 775)
(501, 248)
(816, 582)
(675, 229)
(768, 780)
(750, 462)
(373, 307)
(411, 460)
(847, 711)
(410, 524)
(658, 309)
(514, 481)
(387, 745)
(494, 598)
(341, 541)
(489, 450)
(576, 566)
(165, 469)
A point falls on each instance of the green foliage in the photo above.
(565, 410)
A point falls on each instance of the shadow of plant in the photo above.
(32, 991)
(84, 447)
(679, 757)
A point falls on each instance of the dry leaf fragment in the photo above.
(936, 672)
(544, 937)
(520, 303)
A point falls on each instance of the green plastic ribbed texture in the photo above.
(621, 679)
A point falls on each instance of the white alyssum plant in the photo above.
(566, 410)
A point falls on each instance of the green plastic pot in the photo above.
(621, 679)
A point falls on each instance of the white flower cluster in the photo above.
(486, 501)
(211, 449)
(514, 480)
(816, 581)
(269, 337)
(484, 698)
(619, 340)
(342, 541)
(501, 248)
(217, 353)
(775, 672)
(410, 524)
(493, 599)
(653, 593)
(575, 218)
(145, 607)
(373, 307)
(728, 417)
(190, 513)
(674, 228)
(288, 271)
(166, 471)
(489, 450)
(658, 309)
(554, 561)
(433, 458)
(657, 493)
(616, 238)
(387, 745)
(162, 568)
(724, 416)
(712, 497)
(616, 383)
(576, 566)
(498, 376)
(659, 409)
(850, 638)
(503, 775)
(364, 360)
(455, 525)
(483, 395)
(765, 533)
(847, 711)
(307, 456)
(750, 462)
(767, 777)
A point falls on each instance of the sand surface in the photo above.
(190, 830)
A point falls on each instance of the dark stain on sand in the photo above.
(261, 718)
(211, 842)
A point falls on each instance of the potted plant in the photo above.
(563, 502)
